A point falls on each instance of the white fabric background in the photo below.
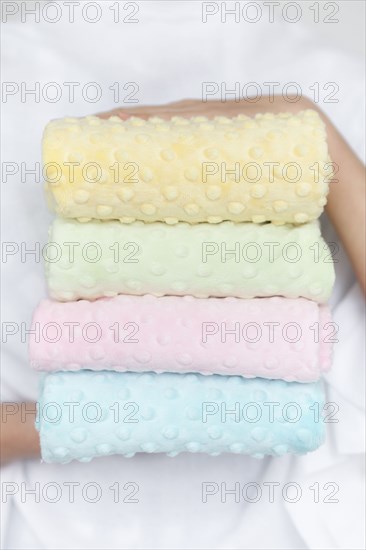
(169, 53)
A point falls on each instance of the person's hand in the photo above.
(347, 198)
(18, 435)
(195, 107)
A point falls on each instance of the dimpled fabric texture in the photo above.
(170, 413)
(267, 337)
(229, 259)
(267, 168)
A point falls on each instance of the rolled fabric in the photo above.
(267, 168)
(242, 260)
(84, 415)
(267, 337)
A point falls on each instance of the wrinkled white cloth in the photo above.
(169, 53)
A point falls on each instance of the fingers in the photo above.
(196, 107)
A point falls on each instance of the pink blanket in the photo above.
(266, 337)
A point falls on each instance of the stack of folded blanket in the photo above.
(188, 280)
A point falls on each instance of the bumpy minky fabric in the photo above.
(271, 338)
(109, 412)
(244, 260)
(180, 320)
(193, 170)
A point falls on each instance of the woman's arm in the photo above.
(346, 201)
(18, 435)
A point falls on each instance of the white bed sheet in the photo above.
(169, 53)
